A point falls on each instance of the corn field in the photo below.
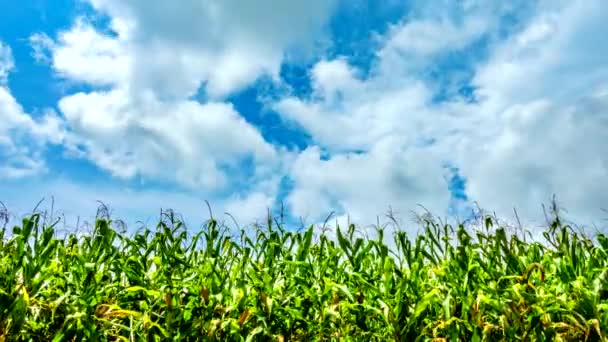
(449, 283)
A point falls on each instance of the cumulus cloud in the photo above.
(186, 141)
(395, 99)
(534, 124)
(382, 132)
(539, 150)
(557, 54)
(146, 66)
(544, 116)
(347, 113)
(85, 55)
(22, 138)
(224, 44)
(537, 128)
(391, 174)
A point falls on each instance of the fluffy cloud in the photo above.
(539, 150)
(224, 44)
(544, 116)
(395, 99)
(363, 111)
(84, 55)
(384, 134)
(381, 138)
(22, 138)
(557, 54)
(186, 141)
(391, 174)
(149, 63)
(538, 126)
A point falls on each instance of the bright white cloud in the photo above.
(347, 113)
(544, 117)
(186, 142)
(22, 138)
(441, 27)
(539, 127)
(395, 100)
(539, 150)
(417, 41)
(84, 55)
(155, 59)
(389, 118)
(391, 174)
(177, 46)
(557, 55)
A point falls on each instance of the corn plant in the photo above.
(448, 283)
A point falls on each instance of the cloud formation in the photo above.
(141, 119)
(539, 116)
(544, 116)
(510, 97)
(22, 138)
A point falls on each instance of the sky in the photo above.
(352, 107)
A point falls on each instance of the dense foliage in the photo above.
(270, 284)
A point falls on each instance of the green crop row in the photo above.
(271, 284)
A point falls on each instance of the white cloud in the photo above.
(539, 127)
(22, 138)
(186, 142)
(141, 119)
(391, 174)
(6, 62)
(440, 27)
(558, 54)
(419, 40)
(224, 44)
(250, 209)
(347, 113)
(539, 150)
(41, 45)
(388, 117)
(394, 100)
(544, 117)
(85, 55)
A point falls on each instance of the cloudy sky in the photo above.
(351, 106)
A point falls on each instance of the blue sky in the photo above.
(346, 106)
